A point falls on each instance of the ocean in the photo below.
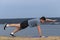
(47, 30)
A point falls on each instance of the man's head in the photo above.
(42, 19)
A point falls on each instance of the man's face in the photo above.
(42, 21)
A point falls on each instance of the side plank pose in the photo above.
(33, 22)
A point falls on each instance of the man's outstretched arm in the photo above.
(50, 20)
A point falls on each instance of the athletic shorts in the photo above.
(24, 25)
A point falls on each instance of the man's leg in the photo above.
(16, 30)
(11, 25)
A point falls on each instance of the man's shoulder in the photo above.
(34, 19)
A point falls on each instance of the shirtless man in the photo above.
(33, 22)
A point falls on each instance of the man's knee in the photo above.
(18, 26)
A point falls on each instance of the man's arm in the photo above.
(50, 20)
(39, 30)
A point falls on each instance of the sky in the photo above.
(29, 8)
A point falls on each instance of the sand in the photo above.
(30, 38)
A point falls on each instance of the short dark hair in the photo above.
(43, 18)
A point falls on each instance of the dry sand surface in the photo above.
(30, 38)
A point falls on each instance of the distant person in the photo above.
(33, 22)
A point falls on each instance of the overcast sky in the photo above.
(29, 8)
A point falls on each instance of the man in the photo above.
(32, 22)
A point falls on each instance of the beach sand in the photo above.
(30, 38)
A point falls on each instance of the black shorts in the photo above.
(24, 25)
